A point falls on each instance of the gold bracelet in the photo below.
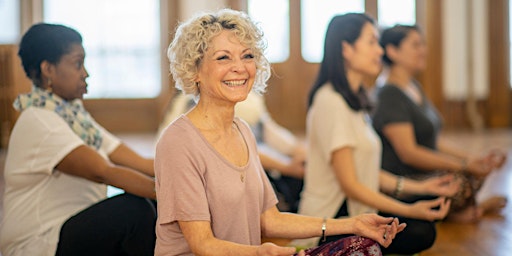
(324, 227)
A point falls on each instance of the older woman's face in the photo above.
(69, 74)
(227, 70)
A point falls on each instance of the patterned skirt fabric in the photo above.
(349, 246)
(465, 198)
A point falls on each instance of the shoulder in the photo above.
(389, 90)
(327, 94)
(178, 131)
(41, 116)
(42, 122)
(327, 99)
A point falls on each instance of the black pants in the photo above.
(418, 236)
(290, 189)
(121, 225)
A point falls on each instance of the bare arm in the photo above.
(343, 165)
(289, 168)
(86, 163)
(450, 149)
(445, 185)
(201, 241)
(125, 156)
(402, 138)
(289, 225)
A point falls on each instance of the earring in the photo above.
(49, 88)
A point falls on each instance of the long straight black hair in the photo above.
(342, 28)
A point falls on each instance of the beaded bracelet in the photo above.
(399, 186)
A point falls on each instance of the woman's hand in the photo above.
(381, 229)
(295, 169)
(446, 185)
(430, 210)
(479, 166)
(270, 249)
(496, 158)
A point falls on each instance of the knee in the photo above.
(143, 208)
(423, 233)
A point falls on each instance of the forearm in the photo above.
(396, 185)
(293, 226)
(430, 160)
(130, 181)
(377, 200)
(448, 148)
(125, 156)
(224, 248)
(271, 163)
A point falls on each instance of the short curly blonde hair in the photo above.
(192, 40)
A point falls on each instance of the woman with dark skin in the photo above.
(60, 161)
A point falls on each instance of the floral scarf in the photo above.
(73, 112)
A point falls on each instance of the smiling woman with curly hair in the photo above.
(214, 197)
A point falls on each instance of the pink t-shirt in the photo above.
(195, 183)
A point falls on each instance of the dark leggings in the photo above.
(121, 225)
(418, 236)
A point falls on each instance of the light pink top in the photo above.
(195, 183)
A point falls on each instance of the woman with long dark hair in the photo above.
(343, 175)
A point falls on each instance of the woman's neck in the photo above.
(399, 77)
(212, 117)
(355, 80)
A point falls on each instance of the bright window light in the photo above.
(122, 44)
(275, 25)
(9, 21)
(390, 15)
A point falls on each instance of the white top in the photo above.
(38, 199)
(254, 110)
(332, 125)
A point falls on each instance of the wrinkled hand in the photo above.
(381, 229)
(446, 185)
(424, 209)
(270, 249)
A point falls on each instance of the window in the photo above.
(9, 21)
(315, 16)
(122, 43)
(275, 25)
(390, 15)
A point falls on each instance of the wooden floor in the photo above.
(492, 236)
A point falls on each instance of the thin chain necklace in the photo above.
(235, 126)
